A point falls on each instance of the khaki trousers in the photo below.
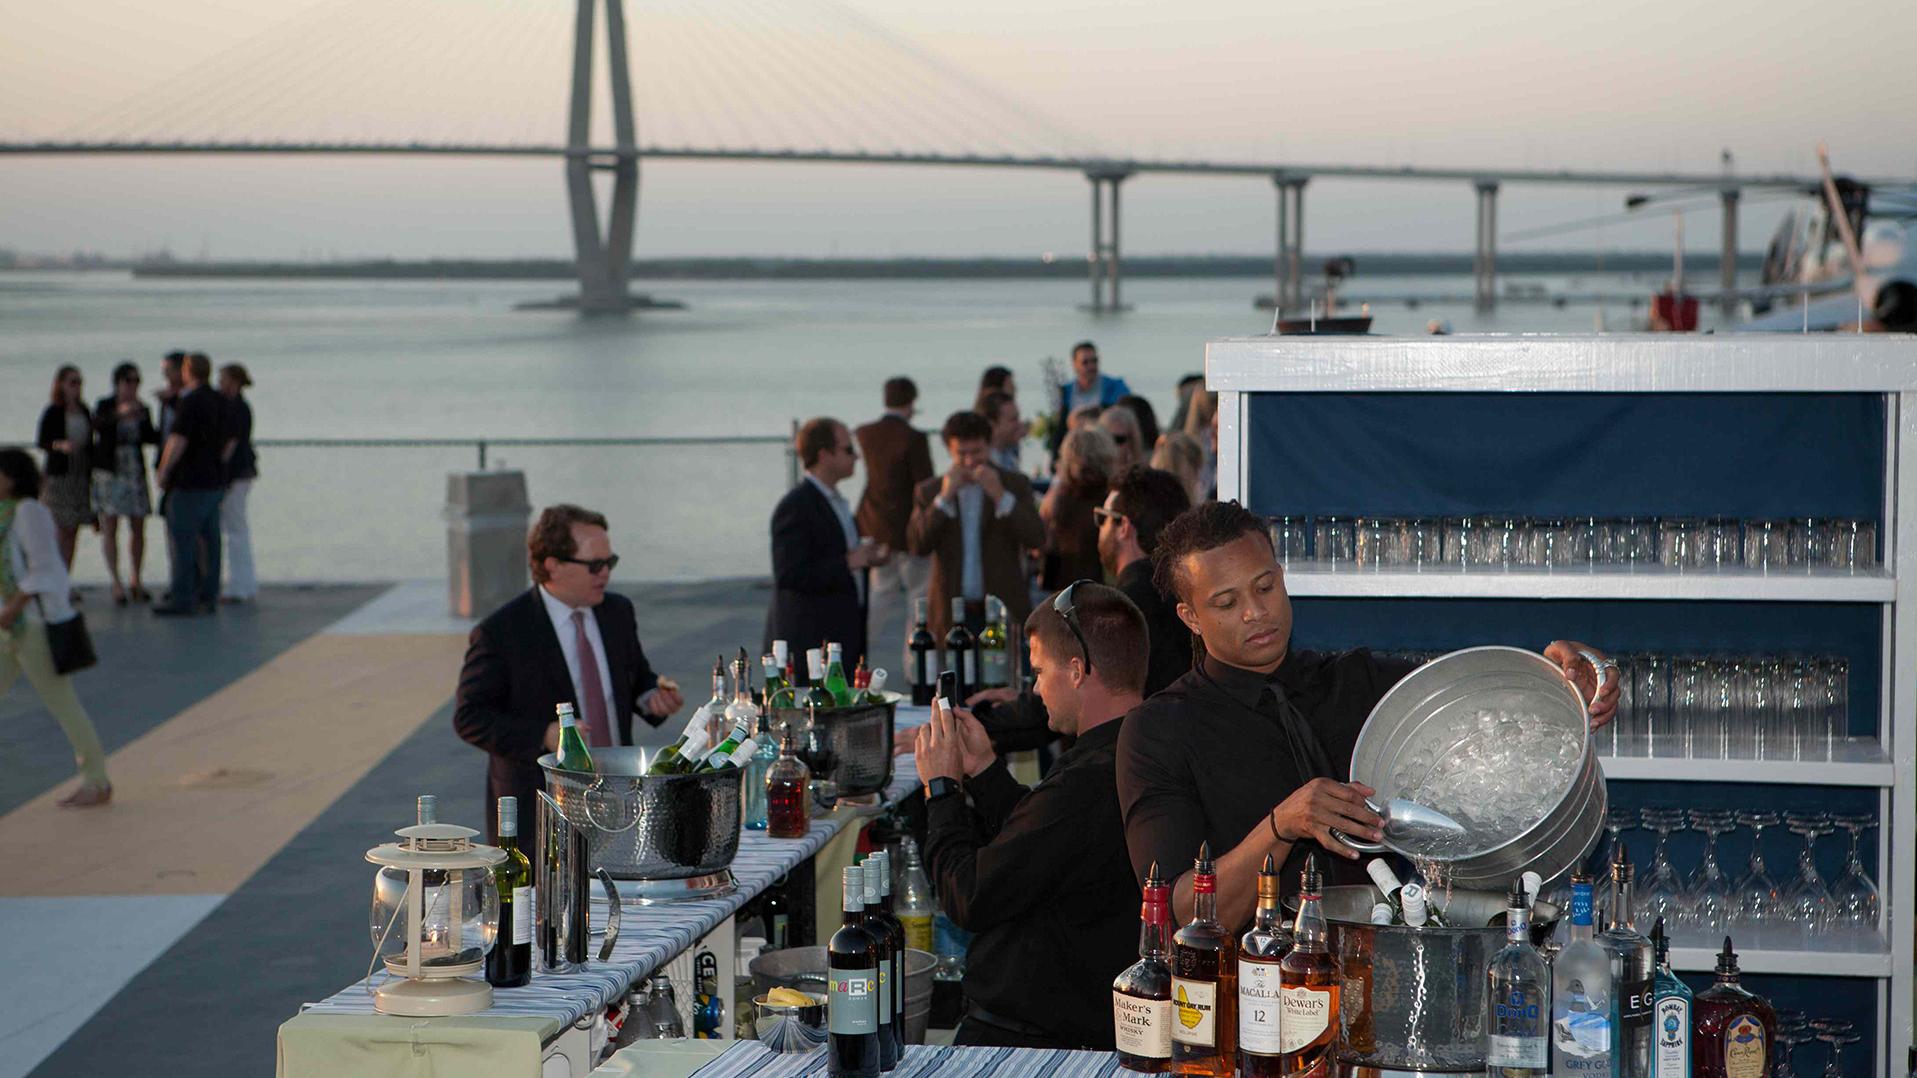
(25, 651)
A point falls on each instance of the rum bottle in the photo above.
(1518, 1001)
(1142, 994)
(1735, 1027)
(787, 808)
(1308, 986)
(961, 652)
(1204, 983)
(1632, 982)
(1583, 1020)
(1670, 1012)
(1261, 951)
(923, 648)
(852, 998)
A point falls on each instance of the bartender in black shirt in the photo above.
(1251, 750)
(1041, 875)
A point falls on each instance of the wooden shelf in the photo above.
(1316, 580)
(1855, 761)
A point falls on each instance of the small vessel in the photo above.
(1325, 320)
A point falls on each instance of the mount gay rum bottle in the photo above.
(1204, 983)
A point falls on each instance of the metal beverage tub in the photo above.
(850, 747)
(650, 827)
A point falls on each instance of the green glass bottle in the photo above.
(994, 655)
(509, 963)
(573, 754)
(835, 682)
(818, 695)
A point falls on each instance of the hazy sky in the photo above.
(1548, 84)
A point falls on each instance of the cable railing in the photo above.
(482, 445)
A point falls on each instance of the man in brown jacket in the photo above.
(898, 457)
(974, 521)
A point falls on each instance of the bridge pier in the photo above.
(1287, 271)
(1727, 269)
(603, 263)
(1484, 261)
(1103, 262)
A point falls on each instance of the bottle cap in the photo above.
(508, 817)
(834, 652)
(1531, 883)
(876, 683)
(1268, 880)
(1381, 875)
(1660, 943)
(854, 888)
(1381, 914)
(1515, 899)
(871, 871)
(1204, 880)
(428, 808)
(1412, 895)
(565, 713)
(780, 651)
(1621, 863)
(1726, 959)
(1311, 880)
(881, 862)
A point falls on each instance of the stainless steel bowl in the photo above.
(856, 739)
(650, 827)
(1438, 698)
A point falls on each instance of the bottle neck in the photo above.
(1204, 904)
(1581, 912)
(1270, 916)
(1309, 932)
(1151, 931)
(854, 911)
(1621, 916)
(1517, 924)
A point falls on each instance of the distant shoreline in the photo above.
(721, 269)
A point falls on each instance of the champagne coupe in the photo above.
(1806, 900)
(1835, 1032)
(1855, 899)
(1793, 1029)
(1757, 897)
(1711, 904)
(1663, 894)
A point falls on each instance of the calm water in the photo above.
(339, 359)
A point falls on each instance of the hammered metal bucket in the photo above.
(856, 740)
(1438, 698)
(650, 827)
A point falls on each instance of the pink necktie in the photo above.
(598, 733)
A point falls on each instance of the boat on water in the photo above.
(1323, 318)
(1843, 260)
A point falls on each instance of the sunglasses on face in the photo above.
(1122, 439)
(1104, 515)
(595, 566)
(1069, 611)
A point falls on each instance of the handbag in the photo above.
(71, 646)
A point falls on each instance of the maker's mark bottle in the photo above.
(1142, 994)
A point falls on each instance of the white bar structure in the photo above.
(1238, 368)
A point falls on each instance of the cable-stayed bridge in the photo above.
(712, 80)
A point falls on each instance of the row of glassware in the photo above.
(1730, 707)
(1500, 541)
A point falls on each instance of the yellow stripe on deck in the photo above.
(201, 801)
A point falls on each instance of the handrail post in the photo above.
(792, 458)
(482, 454)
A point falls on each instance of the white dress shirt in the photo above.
(970, 513)
(33, 549)
(851, 528)
(561, 615)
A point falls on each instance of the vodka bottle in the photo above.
(1670, 1012)
(1261, 953)
(994, 654)
(573, 754)
(1142, 994)
(924, 648)
(1204, 983)
(1518, 1021)
(1632, 980)
(1583, 1018)
(1309, 986)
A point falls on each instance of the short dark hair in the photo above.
(199, 366)
(815, 437)
(1114, 629)
(1150, 498)
(58, 396)
(965, 426)
(17, 465)
(127, 371)
(989, 403)
(1082, 345)
(994, 377)
(551, 536)
(175, 358)
(1141, 410)
(1205, 526)
(900, 392)
(238, 373)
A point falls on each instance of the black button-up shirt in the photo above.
(1212, 755)
(1041, 877)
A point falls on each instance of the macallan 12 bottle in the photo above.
(1204, 983)
(1308, 986)
(1735, 1028)
(1142, 994)
(1260, 951)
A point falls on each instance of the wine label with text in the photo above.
(918, 930)
(852, 1007)
(1259, 1008)
(1195, 1008)
(1306, 1014)
(1529, 1053)
(522, 915)
(1745, 1050)
(1142, 1027)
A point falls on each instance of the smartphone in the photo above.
(948, 688)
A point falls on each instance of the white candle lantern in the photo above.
(435, 916)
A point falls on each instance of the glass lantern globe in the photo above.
(434, 917)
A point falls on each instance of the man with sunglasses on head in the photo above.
(1040, 875)
(566, 640)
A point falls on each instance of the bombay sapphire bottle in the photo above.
(1519, 1001)
(1670, 1013)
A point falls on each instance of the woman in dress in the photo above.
(1087, 461)
(122, 428)
(33, 595)
(241, 469)
(66, 435)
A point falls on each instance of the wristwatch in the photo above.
(940, 786)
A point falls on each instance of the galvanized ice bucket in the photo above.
(854, 742)
(650, 827)
(1436, 702)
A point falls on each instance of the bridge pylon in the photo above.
(1103, 259)
(604, 261)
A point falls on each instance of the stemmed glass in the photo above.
(1663, 894)
(1793, 1029)
(1756, 893)
(1711, 905)
(1835, 1032)
(1806, 899)
(1855, 900)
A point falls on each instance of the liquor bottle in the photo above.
(961, 652)
(509, 963)
(1308, 986)
(716, 706)
(1204, 983)
(994, 664)
(1261, 950)
(861, 677)
(1583, 1019)
(917, 906)
(1518, 1002)
(1142, 994)
(788, 809)
(1736, 1029)
(573, 754)
(890, 937)
(852, 999)
(835, 682)
(685, 754)
(777, 913)
(884, 870)
(1632, 984)
(757, 808)
(741, 711)
(1670, 1012)
(817, 694)
(923, 648)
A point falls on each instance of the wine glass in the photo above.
(1806, 900)
(1663, 894)
(1837, 1033)
(1711, 905)
(1757, 897)
(1793, 1029)
(1855, 900)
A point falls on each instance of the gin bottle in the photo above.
(765, 753)
(1519, 1001)
(1632, 987)
(1671, 1012)
(1583, 1020)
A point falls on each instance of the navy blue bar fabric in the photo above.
(1745, 455)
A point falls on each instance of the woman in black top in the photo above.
(242, 467)
(66, 434)
(122, 428)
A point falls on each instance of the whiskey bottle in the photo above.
(1670, 1012)
(1308, 986)
(1632, 984)
(1142, 994)
(881, 927)
(994, 666)
(1736, 1028)
(1583, 1020)
(852, 998)
(1204, 983)
(924, 659)
(1261, 950)
(1518, 1001)
(961, 652)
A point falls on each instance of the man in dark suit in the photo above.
(818, 563)
(898, 457)
(567, 640)
(974, 522)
